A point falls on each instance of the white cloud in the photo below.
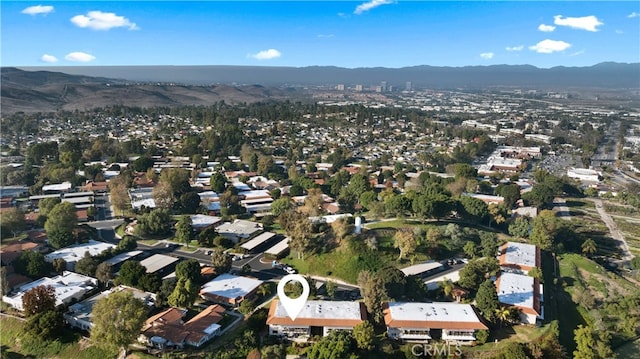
(633, 14)
(98, 20)
(48, 58)
(370, 5)
(38, 9)
(514, 48)
(577, 53)
(550, 46)
(79, 57)
(487, 55)
(588, 23)
(267, 54)
(546, 28)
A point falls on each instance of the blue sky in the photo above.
(383, 33)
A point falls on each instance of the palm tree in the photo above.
(589, 247)
(264, 290)
(447, 287)
(503, 314)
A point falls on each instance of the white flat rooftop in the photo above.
(76, 252)
(201, 220)
(521, 254)
(157, 262)
(260, 239)
(230, 286)
(440, 312)
(279, 247)
(67, 285)
(421, 268)
(122, 257)
(64, 186)
(516, 289)
(324, 309)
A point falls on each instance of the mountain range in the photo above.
(33, 89)
(605, 75)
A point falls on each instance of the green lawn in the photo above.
(67, 346)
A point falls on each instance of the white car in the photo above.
(289, 270)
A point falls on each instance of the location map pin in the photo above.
(293, 306)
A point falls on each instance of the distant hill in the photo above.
(44, 91)
(603, 75)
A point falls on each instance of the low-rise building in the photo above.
(318, 317)
(519, 257)
(76, 252)
(168, 330)
(230, 289)
(422, 322)
(523, 292)
(584, 174)
(159, 263)
(79, 314)
(68, 287)
(239, 230)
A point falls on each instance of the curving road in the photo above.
(616, 234)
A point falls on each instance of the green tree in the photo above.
(45, 205)
(520, 227)
(298, 228)
(38, 300)
(44, 326)
(4, 284)
(447, 287)
(589, 247)
(281, 205)
(118, 195)
(131, 272)
(331, 287)
(591, 344)
(364, 336)
(31, 264)
(487, 299)
(61, 219)
(373, 292)
(13, 221)
(338, 344)
(476, 271)
(184, 294)
(405, 240)
(340, 228)
(189, 202)
(163, 196)
(104, 272)
(189, 269)
(510, 192)
(489, 244)
(184, 231)
(127, 243)
(117, 319)
(513, 350)
(142, 163)
(474, 208)
(87, 265)
(544, 230)
(156, 222)
(59, 265)
(470, 249)
(220, 261)
(276, 351)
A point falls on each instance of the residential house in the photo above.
(230, 289)
(453, 323)
(317, 317)
(68, 287)
(168, 330)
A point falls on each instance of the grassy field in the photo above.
(69, 346)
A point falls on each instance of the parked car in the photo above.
(289, 270)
